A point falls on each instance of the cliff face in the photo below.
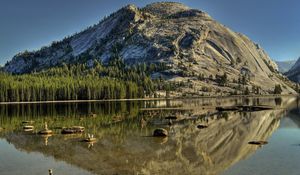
(189, 41)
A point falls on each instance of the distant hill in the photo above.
(285, 66)
(202, 56)
(294, 73)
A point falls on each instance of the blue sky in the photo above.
(31, 24)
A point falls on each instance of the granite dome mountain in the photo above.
(197, 50)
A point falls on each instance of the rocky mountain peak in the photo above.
(165, 8)
(131, 7)
(172, 10)
(188, 41)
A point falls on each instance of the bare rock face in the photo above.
(189, 41)
(294, 73)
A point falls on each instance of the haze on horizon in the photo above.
(31, 24)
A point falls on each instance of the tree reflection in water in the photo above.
(124, 147)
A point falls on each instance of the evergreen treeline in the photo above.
(80, 82)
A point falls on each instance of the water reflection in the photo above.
(122, 130)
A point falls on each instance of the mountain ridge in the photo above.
(294, 73)
(196, 49)
(285, 66)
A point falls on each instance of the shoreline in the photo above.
(148, 99)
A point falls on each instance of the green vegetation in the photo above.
(277, 89)
(222, 80)
(81, 82)
(247, 91)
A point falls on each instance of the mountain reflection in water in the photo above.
(124, 145)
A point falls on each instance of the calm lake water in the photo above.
(124, 144)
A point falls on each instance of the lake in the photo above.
(125, 144)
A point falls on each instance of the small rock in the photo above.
(45, 132)
(258, 142)
(202, 126)
(68, 131)
(50, 172)
(28, 127)
(90, 140)
(73, 130)
(28, 130)
(160, 132)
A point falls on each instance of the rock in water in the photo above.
(28, 127)
(160, 132)
(73, 130)
(50, 172)
(202, 126)
(258, 142)
(45, 132)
